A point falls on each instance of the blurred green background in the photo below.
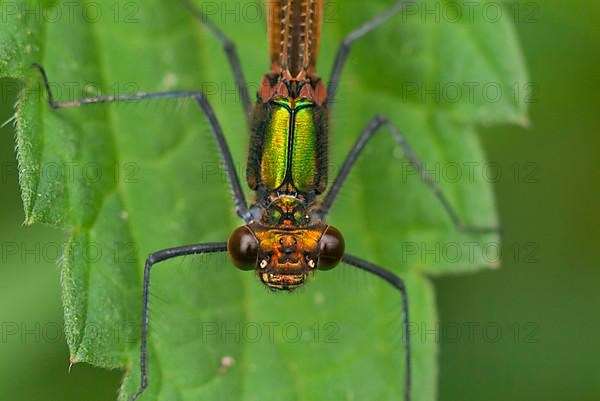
(544, 299)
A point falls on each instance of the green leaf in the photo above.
(129, 179)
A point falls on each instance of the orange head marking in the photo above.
(283, 258)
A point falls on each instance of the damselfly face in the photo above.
(283, 252)
(283, 258)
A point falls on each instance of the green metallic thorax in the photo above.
(289, 147)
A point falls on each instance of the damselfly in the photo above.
(285, 237)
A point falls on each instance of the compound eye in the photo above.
(242, 248)
(274, 216)
(331, 248)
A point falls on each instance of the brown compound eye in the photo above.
(242, 248)
(331, 248)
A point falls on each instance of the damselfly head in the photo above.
(283, 258)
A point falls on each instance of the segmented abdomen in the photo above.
(294, 29)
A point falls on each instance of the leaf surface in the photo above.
(128, 179)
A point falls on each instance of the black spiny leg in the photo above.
(344, 48)
(153, 259)
(397, 283)
(241, 206)
(232, 56)
(370, 130)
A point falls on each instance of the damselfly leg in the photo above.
(153, 259)
(370, 130)
(232, 56)
(344, 48)
(239, 198)
(398, 284)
